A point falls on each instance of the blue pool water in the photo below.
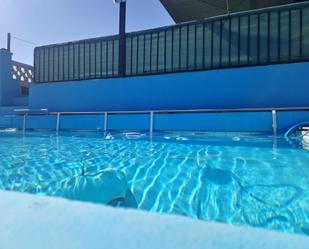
(248, 179)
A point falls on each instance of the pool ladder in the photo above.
(300, 126)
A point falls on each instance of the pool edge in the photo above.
(31, 221)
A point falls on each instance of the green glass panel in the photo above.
(128, 56)
(56, 63)
(234, 40)
(253, 39)
(66, 62)
(176, 49)
(147, 53)
(37, 64)
(71, 62)
(243, 56)
(263, 38)
(208, 34)
(98, 60)
(76, 61)
(284, 35)
(295, 34)
(168, 51)
(225, 42)
(154, 52)
(216, 43)
(110, 52)
(116, 57)
(51, 64)
(274, 36)
(183, 47)
(199, 46)
(134, 55)
(87, 60)
(161, 51)
(92, 60)
(305, 30)
(140, 59)
(61, 64)
(46, 64)
(82, 60)
(191, 47)
(104, 59)
(41, 56)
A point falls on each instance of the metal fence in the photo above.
(258, 37)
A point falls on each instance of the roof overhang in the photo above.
(189, 10)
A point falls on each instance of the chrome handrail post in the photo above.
(105, 121)
(58, 122)
(274, 122)
(24, 122)
(151, 123)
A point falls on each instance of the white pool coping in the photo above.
(38, 222)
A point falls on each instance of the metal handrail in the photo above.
(186, 111)
(152, 112)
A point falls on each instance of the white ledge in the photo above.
(37, 222)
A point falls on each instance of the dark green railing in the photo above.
(258, 37)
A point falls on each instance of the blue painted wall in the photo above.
(287, 119)
(233, 121)
(21, 101)
(282, 85)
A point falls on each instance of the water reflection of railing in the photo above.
(23, 73)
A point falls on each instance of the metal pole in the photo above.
(24, 123)
(122, 39)
(9, 42)
(58, 122)
(274, 119)
(151, 124)
(105, 121)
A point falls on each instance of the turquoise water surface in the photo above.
(248, 179)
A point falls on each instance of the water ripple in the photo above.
(234, 178)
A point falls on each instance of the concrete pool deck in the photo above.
(38, 222)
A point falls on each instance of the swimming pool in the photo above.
(238, 178)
